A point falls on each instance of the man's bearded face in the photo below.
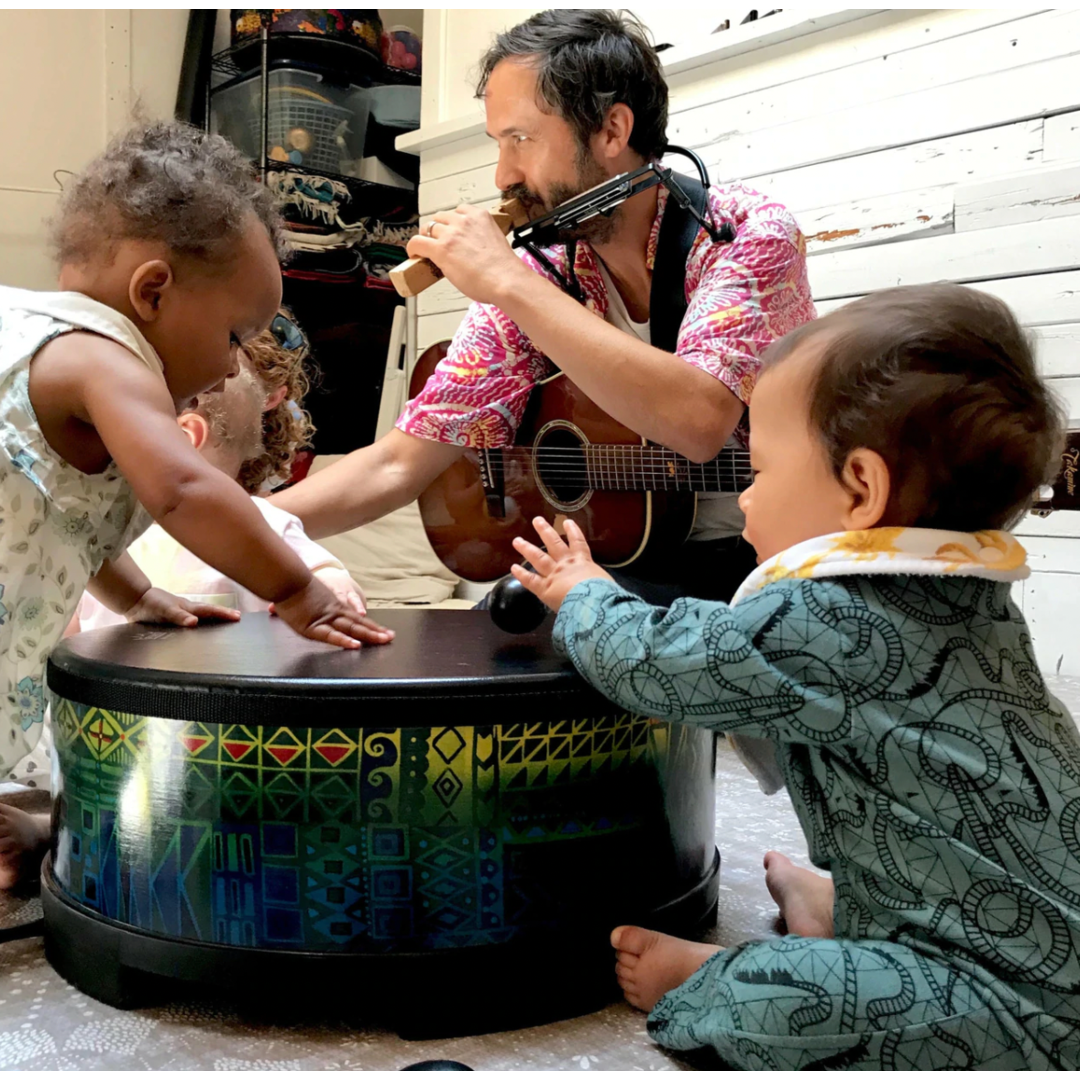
(587, 174)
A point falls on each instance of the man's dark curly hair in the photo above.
(586, 61)
(168, 182)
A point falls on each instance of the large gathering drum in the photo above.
(439, 833)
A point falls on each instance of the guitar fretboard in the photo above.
(613, 467)
(617, 467)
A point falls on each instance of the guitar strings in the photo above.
(630, 467)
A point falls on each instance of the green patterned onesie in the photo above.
(935, 778)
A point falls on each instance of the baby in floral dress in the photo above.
(878, 651)
(168, 252)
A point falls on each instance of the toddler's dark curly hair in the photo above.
(287, 427)
(168, 182)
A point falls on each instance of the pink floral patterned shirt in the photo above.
(741, 296)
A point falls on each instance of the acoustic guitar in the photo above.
(634, 501)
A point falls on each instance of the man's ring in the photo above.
(430, 225)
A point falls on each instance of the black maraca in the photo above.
(513, 608)
(438, 1065)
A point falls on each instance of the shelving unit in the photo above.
(309, 48)
(347, 322)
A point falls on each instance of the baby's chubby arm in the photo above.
(133, 414)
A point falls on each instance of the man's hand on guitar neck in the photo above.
(566, 563)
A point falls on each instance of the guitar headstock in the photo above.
(1066, 488)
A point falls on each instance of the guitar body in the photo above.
(471, 530)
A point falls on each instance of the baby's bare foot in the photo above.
(24, 839)
(805, 899)
(649, 964)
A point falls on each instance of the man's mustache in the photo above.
(525, 196)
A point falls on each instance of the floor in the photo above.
(47, 1025)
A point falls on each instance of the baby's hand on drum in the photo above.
(341, 584)
(315, 612)
(565, 564)
(159, 606)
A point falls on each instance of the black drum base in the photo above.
(421, 995)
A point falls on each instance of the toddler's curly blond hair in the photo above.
(287, 427)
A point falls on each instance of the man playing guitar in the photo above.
(574, 97)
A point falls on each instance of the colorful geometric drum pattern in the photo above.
(370, 839)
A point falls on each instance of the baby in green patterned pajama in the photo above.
(877, 647)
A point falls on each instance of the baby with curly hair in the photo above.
(278, 357)
(169, 264)
(877, 649)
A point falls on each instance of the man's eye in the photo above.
(234, 342)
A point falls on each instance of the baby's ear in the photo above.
(276, 398)
(148, 285)
(867, 481)
(195, 428)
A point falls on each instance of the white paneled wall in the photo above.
(68, 80)
(912, 146)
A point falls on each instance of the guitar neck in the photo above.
(619, 467)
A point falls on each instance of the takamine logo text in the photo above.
(1070, 465)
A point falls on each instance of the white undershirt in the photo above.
(617, 314)
(718, 513)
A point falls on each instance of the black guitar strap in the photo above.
(678, 231)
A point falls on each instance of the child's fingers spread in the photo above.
(214, 611)
(325, 631)
(533, 582)
(537, 556)
(336, 637)
(364, 629)
(552, 540)
(578, 544)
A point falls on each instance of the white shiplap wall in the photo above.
(912, 147)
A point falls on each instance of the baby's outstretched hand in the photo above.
(315, 612)
(560, 568)
(159, 606)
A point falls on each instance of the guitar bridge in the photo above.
(492, 479)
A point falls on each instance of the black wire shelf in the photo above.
(356, 63)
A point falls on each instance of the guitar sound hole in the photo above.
(560, 461)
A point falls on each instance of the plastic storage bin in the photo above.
(395, 106)
(311, 122)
